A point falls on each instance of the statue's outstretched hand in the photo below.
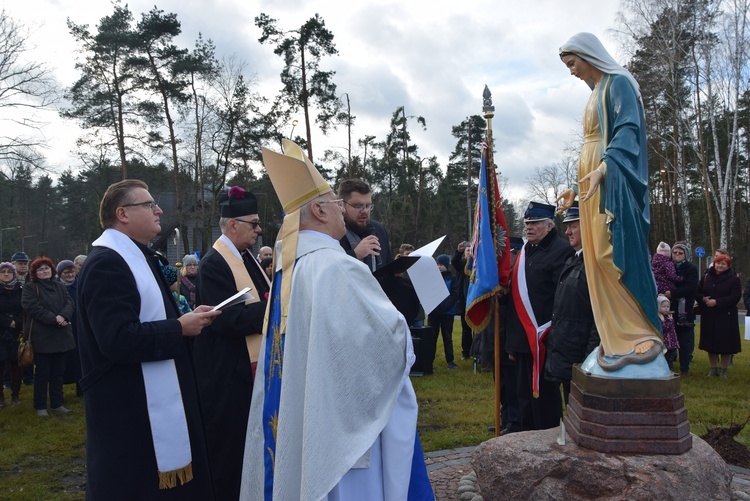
(567, 197)
(593, 178)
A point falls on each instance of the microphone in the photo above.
(376, 260)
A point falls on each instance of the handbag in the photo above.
(26, 350)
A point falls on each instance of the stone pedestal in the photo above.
(616, 415)
(533, 465)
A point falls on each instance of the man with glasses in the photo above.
(144, 436)
(365, 239)
(682, 299)
(227, 351)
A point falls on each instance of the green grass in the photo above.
(44, 458)
(457, 406)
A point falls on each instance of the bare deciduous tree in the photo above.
(26, 88)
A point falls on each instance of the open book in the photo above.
(240, 297)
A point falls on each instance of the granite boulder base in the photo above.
(532, 465)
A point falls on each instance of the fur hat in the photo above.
(664, 249)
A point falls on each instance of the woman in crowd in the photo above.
(267, 265)
(718, 293)
(11, 322)
(189, 279)
(48, 309)
(66, 275)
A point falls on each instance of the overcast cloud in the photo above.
(433, 57)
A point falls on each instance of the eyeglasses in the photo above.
(679, 253)
(44, 268)
(151, 205)
(254, 224)
(68, 272)
(338, 201)
(361, 207)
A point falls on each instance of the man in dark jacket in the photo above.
(534, 282)
(683, 301)
(144, 436)
(441, 318)
(459, 265)
(225, 353)
(573, 334)
(365, 239)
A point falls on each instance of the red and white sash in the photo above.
(535, 334)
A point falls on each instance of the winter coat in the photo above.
(686, 291)
(448, 306)
(544, 263)
(665, 273)
(10, 311)
(573, 334)
(720, 328)
(42, 301)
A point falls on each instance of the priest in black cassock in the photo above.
(226, 353)
(144, 436)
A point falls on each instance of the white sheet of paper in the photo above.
(426, 278)
(429, 249)
(747, 327)
(240, 297)
(428, 283)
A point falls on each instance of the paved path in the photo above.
(445, 469)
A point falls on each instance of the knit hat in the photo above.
(189, 259)
(685, 248)
(65, 263)
(664, 249)
(660, 299)
(10, 266)
(445, 260)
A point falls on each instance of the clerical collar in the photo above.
(230, 245)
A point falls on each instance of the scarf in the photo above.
(163, 397)
(190, 287)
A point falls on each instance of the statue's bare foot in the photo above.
(643, 347)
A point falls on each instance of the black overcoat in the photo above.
(573, 334)
(720, 327)
(223, 368)
(120, 458)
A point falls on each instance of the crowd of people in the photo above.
(187, 401)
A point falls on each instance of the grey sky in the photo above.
(433, 57)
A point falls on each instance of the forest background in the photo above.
(191, 124)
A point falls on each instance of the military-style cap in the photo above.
(516, 243)
(20, 256)
(238, 202)
(294, 177)
(572, 213)
(537, 211)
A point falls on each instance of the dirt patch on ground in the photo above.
(723, 442)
